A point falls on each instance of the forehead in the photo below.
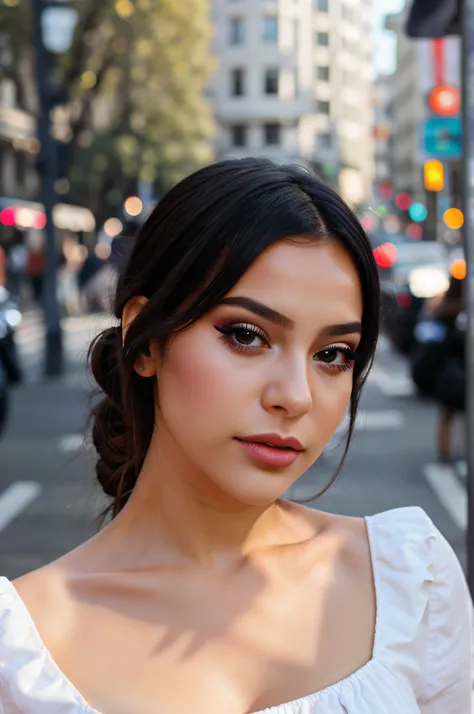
(305, 277)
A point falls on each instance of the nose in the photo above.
(287, 388)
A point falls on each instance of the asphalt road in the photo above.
(49, 500)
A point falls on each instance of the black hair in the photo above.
(195, 246)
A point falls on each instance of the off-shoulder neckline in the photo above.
(309, 698)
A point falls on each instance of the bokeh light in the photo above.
(124, 8)
(133, 206)
(385, 189)
(113, 227)
(459, 269)
(103, 251)
(417, 212)
(88, 79)
(381, 211)
(391, 224)
(385, 255)
(7, 217)
(454, 218)
(414, 231)
(368, 223)
(403, 201)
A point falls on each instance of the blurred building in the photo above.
(383, 130)
(295, 84)
(18, 146)
(413, 80)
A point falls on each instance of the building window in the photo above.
(272, 134)
(271, 80)
(270, 29)
(322, 39)
(323, 107)
(323, 73)
(321, 5)
(237, 82)
(239, 135)
(236, 31)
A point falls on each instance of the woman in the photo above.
(248, 320)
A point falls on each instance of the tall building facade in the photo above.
(383, 130)
(413, 80)
(294, 84)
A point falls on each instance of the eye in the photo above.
(337, 357)
(243, 337)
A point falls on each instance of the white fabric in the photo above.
(422, 653)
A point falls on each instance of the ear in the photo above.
(145, 365)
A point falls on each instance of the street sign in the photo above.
(442, 137)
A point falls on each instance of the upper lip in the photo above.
(288, 442)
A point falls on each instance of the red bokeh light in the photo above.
(385, 255)
(39, 221)
(385, 189)
(414, 231)
(403, 299)
(403, 201)
(7, 217)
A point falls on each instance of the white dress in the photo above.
(422, 653)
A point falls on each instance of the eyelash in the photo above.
(229, 332)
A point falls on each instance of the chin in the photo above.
(258, 490)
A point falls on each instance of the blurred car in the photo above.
(410, 273)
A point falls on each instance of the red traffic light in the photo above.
(445, 100)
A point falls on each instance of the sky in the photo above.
(385, 41)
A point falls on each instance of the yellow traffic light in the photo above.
(434, 175)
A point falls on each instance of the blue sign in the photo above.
(442, 137)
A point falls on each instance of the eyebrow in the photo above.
(268, 313)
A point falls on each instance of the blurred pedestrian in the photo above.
(438, 364)
(35, 267)
(247, 321)
(16, 264)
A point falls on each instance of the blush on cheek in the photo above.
(198, 369)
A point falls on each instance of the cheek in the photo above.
(331, 402)
(196, 385)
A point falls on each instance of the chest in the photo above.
(237, 649)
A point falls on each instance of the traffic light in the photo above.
(434, 175)
(434, 18)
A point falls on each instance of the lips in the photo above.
(271, 449)
(275, 440)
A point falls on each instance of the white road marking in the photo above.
(392, 385)
(449, 491)
(375, 421)
(72, 442)
(15, 499)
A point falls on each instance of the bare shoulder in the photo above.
(345, 536)
(45, 594)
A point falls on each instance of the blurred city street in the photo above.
(48, 496)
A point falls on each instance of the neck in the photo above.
(176, 514)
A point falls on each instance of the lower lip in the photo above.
(269, 455)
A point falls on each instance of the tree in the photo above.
(135, 80)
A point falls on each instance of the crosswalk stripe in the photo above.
(374, 420)
(449, 491)
(15, 499)
(392, 385)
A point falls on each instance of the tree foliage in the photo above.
(135, 78)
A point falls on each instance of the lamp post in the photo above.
(54, 24)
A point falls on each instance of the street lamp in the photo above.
(54, 25)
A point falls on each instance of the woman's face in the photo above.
(274, 361)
